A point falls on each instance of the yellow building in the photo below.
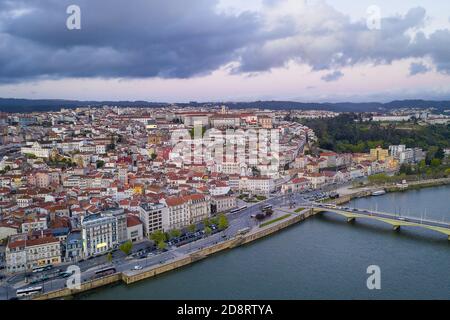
(379, 154)
(138, 189)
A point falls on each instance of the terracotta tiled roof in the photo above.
(133, 221)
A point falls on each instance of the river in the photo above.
(321, 258)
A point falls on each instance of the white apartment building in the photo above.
(16, 254)
(37, 149)
(223, 203)
(316, 179)
(100, 149)
(37, 224)
(183, 211)
(43, 251)
(232, 168)
(199, 207)
(24, 201)
(178, 213)
(25, 254)
(225, 121)
(154, 217)
(396, 150)
(99, 234)
(391, 118)
(257, 185)
(121, 222)
(406, 155)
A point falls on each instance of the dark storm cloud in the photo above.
(120, 38)
(418, 68)
(334, 76)
(182, 39)
(333, 41)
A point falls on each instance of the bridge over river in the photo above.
(396, 221)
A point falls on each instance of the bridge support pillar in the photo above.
(351, 219)
(396, 228)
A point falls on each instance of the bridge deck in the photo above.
(391, 219)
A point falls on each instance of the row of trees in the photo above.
(126, 247)
(161, 238)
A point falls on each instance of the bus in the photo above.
(105, 272)
(26, 292)
(43, 268)
(238, 209)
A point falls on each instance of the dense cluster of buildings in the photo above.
(78, 183)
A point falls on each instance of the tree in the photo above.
(435, 163)
(208, 231)
(215, 220)
(154, 156)
(109, 257)
(440, 154)
(379, 178)
(406, 169)
(175, 233)
(126, 247)
(158, 236)
(223, 222)
(192, 228)
(162, 245)
(206, 222)
(100, 164)
(422, 166)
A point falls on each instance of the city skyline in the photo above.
(312, 51)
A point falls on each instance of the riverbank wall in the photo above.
(132, 277)
(129, 277)
(419, 185)
(86, 286)
(416, 185)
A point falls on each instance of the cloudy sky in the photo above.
(217, 50)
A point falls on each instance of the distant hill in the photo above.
(27, 105)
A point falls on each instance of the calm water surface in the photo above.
(322, 258)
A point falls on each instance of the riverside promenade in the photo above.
(281, 221)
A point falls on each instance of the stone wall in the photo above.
(89, 285)
(130, 277)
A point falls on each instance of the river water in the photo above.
(322, 258)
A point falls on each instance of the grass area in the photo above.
(265, 224)
(299, 210)
(251, 199)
